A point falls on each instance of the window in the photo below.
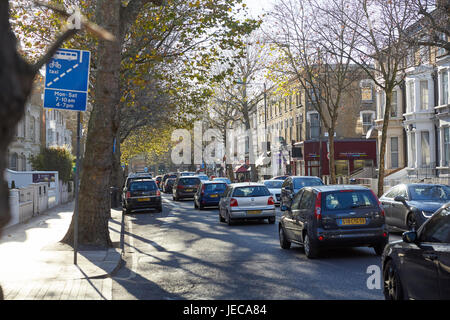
(441, 51)
(337, 200)
(308, 200)
(13, 161)
(314, 125)
(296, 200)
(394, 107)
(394, 152)
(411, 96)
(413, 148)
(444, 87)
(391, 194)
(367, 121)
(298, 129)
(438, 228)
(425, 140)
(424, 95)
(446, 146)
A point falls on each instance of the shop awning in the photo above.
(240, 169)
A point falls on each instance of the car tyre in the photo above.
(379, 248)
(159, 209)
(392, 287)
(271, 220)
(284, 242)
(311, 249)
(411, 221)
(228, 219)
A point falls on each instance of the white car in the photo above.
(274, 187)
(246, 201)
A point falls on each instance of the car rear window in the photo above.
(348, 199)
(251, 191)
(215, 187)
(307, 182)
(274, 184)
(188, 181)
(143, 186)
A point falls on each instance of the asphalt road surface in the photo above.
(186, 253)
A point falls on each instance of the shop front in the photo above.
(350, 155)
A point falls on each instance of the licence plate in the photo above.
(189, 190)
(254, 211)
(214, 196)
(143, 199)
(352, 221)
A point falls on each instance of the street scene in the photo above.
(229, 150)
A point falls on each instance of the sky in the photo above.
(257, 7)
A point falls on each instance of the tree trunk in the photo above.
(381, 164)
(331, 156)
(94, 198)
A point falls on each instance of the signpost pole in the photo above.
(77, 175)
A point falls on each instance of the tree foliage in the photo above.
(54, 159)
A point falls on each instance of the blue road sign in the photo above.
(67, 80)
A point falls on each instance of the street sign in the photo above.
(67, 80)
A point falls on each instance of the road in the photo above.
(184, 253)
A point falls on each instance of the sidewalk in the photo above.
(35, 265)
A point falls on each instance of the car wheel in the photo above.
(228, 219)
(411, 222)
(392, 288)
(159, 209)
(311, 249)
(221, 219)
(379, 248)
(271, 220)
(284, 242)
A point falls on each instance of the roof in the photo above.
(247, 184)
(213, 182)
(305, 177)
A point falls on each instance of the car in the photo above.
(142, 194)
(185, 187)
(418, 266)
(203, 177)
(293, 184)
(168, 185)
(158, 181)
(133, 176)
(408, 206)
(333, 216)
(223, 179)
(209, 194)
(185, 173)
(246, 201)
(274, 187)
(280, 177)
(171, 175)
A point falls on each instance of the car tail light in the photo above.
(379, 204)
(128, 194)
(158, 193)
(180, 187)
(318, 206)
(233, 202)
(203, 190)
(270, 201)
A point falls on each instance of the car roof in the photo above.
(212, 182)
(141, 180)
(304, 177)
(247, 184)
(337, 187)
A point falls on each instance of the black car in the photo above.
(333, 216)
(292, 185)
(185, 187)
(172, 175)
(408, 206)
(142, 194)
(168, 185)
(418, 267)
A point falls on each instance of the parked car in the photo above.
(185, 187)
(333, 216)
(158, 181)
(222, 179)
(134, 176)
(142, 194)
(418, 266)
(293, 184)
(168, 186)
(274, 187)
(408, 206)
(280, 177)
(209, 194)
(246, 200)
(172, 175)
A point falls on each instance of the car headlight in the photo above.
(427, 214)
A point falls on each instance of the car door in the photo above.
(291, 216)
(387, 201)
(399, 210)
(305, 210)
(284, 192)
(224, 200)
(436, 232)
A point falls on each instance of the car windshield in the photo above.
(251, 191)
(143, 186)
(306, 182)
(273, 184)
(189, 181)
(429, 192)
(215, 187)
(348, 199)
(170, 181)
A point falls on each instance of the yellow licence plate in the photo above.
(254, 211)
(189, 190)
(143, 199)
(352, 221)
(214, 196)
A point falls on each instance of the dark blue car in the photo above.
(209, 193)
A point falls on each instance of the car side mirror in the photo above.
(409, 236)
(400, 199)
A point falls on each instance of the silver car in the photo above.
(246, 201)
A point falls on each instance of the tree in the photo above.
(383, 30)
(303, 37)
(16, 77)
(54, 159)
